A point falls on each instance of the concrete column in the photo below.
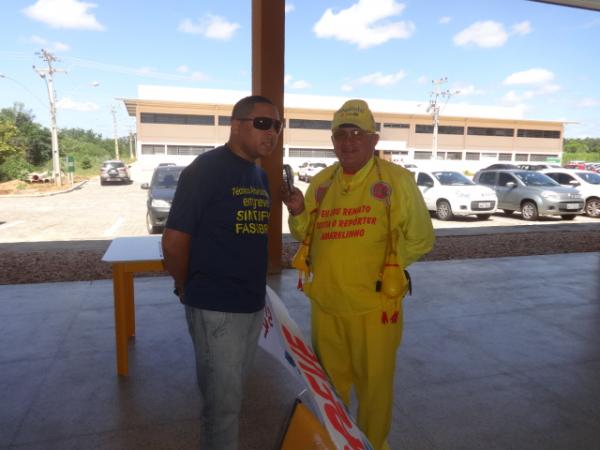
(268, 44)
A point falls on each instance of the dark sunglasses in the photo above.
(265, 123)
(349, 133)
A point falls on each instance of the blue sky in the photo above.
(539, 58)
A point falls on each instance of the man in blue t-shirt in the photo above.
(215, 248)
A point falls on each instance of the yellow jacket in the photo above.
(349, 242)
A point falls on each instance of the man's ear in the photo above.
(234, 128)
(375, 138)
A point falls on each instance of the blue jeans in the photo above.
(224, 345)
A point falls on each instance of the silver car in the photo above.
(532, 193)
(586, 182)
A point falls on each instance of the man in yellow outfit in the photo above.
(362, 222)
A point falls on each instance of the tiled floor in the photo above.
(497, 354)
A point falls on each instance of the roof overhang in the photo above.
(584, 4)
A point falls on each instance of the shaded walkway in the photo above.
(497, 354)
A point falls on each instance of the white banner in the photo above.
(282, 337)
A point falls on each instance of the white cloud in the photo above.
(364, 23)
(211, 27)
(289, 7)
(531, 76)
(145, 71)
(514, 97)
(60, 47)
(67, 103)
(588, 102)
(376, 78)
(522, 28)
(183, 69)
(380, 79)
(486, 34)
(198, 76)
(547, 89)
(70, 14)
(52, 46)
(444, 20)
(422, 79)
(297, 84)
(542, 89)
(469, 90)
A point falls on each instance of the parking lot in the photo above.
(93, 212)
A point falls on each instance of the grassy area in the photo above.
(581, 156)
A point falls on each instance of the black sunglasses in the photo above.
(265, 123)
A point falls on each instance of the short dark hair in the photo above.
(244, 107)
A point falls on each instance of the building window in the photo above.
(310, 124)
(472, 156)
(419, 128)
(177, 119)
(423, 155)
(224, 121)
(485, 131)
(547, 134)
(455, 156)
(442, 129)
(150, 149)
(543, 158)
(505, 157)
(311, 152)
(187, 150)
(396, 125)
(521, 157)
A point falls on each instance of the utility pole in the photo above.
(46, 74)
(130, 145)
(434, 108)
(114, 114)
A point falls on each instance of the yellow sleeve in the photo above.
(299, 224)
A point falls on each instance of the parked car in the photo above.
(310, 170)
(114, 171)
(539, 166)
(497, 166)
(585, 181)
(450, 194)
(161, 191)
(531, 193)
(593, 166)
(575, 165)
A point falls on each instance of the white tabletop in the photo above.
(134, 248)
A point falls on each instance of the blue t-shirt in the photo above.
(223, 202)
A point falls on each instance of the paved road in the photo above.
(89, 212)
(94, 212)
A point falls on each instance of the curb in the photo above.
(47, 194)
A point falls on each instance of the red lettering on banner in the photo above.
(267, 321)
(334, 410)
(336, 414)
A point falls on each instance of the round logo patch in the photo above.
(381, 190)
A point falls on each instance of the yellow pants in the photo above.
(360, 351)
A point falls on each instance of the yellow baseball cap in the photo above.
(354, 112)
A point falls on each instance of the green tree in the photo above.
(31, 137)
(8, 131)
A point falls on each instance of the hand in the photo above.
(294, 200)
(178, 291)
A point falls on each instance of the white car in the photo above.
(586, 182)
(450, 193)
(310, 170)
